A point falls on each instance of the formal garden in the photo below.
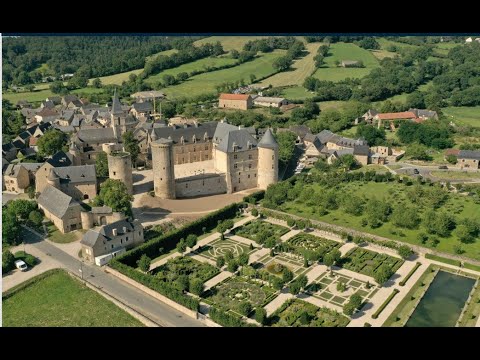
(219, 248)
(297, 313)
(301, 242)
(239, 295)
(276, 264)
(369, 262)
(336, 288)
(183, 272)
(262, 232)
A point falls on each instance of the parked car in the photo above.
(415, 171)
(443, 167)
(20, 264)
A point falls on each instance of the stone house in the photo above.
(61, 209)
(16, 178)
(468, 159)
(79, 182)
(270, 101)
(60, 159)
(101, 244)
(235, 101)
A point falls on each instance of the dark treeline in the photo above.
(98, 55)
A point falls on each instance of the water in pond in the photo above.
(443, 302)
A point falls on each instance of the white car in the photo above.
(20, 264)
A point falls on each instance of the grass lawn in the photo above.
(201, 64)
(117, 79)
(444, 48)
(205, 83)
(459, 206)
(295, 313)
(382, 54)
(297, 93)
(229, 42)
(371, 167)
(346, 51)
(56, 299)
(384, 43)
(165, 52)
(333, 104)
(33, 96)
(455, 175)
(463, 115)
(301, 69)
(56, 236)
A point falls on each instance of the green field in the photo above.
(297, 93)
(463, 115)
(205, 83)
(346, 51)
(33, 96)
(301, 69)
(455, 175)
(198, 65)
(444, 48)
(56, 299)
(384, 43)
(229, 42)
(459, 206)
(165, 52)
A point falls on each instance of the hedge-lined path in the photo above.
(217, 279)
(320, 303)
(360, 318)
(289, 235)
(277, 302)
(144, 304)
(258, 255)
(346, 248)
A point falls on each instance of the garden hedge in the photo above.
(404, 281)
(169, 240)
(444, 260)
(385, 303)
(225, 319)
(258, 195)
(155, 284)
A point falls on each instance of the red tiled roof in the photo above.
(452, 152)
(398, 115)
(234, 96)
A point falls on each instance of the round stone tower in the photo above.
(267, 160)
(163, 169)
(53, 179)
(120, 168)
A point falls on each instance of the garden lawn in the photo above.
(198, 65)
(463, 115)
(297, 93)
(301, 69)
(57, 299)
(205, 83)
(56, 236)
(295, 313)
(346, 51)
(219, 248)
(194, 269)
(252, 229)
(459, 206)
(303, 241)
(367, 262)
(32, 96)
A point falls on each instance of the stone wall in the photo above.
(201, 185)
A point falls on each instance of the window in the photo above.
(186, 185)
(273, 166)
(114, 173)
(273, 157)
(112, 246)
(121, 241)
(239, 174)
(206, 157)
(235, 166)
(238, 179)
(249, 176)
(254, 175)
(194, 149)
(235, 156)
(126, 239)
(249, 166)
(139, 233)
(89, 156)
(206, 147)
(250, 157)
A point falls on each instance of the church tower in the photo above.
(267, 160)
(116, 114)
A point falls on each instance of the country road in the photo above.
(146, 305)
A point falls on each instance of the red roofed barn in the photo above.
(235, 101)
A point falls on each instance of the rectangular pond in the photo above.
(443, 302)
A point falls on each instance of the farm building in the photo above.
(235, 101)
(270, 101)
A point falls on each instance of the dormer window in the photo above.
(194, 139)
(205, 137)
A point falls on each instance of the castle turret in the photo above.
(153, 136)
(120, 168)
(53, 179)
(163, 169)
(75, 152)
(267, 160)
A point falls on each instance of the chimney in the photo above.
(115, 232)
(124, 229)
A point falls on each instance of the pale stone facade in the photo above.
(235, 101)
(16, 179)
(120, 168)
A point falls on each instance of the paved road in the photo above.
(146, 305)
(425, 171)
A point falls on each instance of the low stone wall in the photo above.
(156, 295)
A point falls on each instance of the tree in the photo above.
(252, 78)
(261, 315)
(196, 287)
(282, 63)
(369, 43)
(405, 216)
(58, 88)
(97, 83)
(452, 159)
(418, 152)
(234, 54)
(144, 263)
(35, 217)
(224, 226)
(254, 212)
(287, 275)
(383, 273)
(191, 240)
(101, 164)
(8, 261)
(354, 303)
(302, 281)
(232, 266)
(243, 259)
(277, 283)
(463, 234)
(220, 261)
(130, 143)
(294, 288)
(405, 252)
(182, 282)
(371, 134)
(182, 76)
(51, 142)
(168, 80)
(20, 208)
(10, 228)
(181, 246)
(30, 191)
(114, 193)
(245, 308)
(415, 100)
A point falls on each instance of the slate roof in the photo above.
(102, 135)
(55, 201)
(424, 113)
(116, 105)
(46, 112)
(469, 154)
(266, 99)
(106, 231)
(268, 141)
(176, 133)
(143, 106)
(12, 170)
(238, 140)
(361, 150)
(60, 159)
(76, 174)
(222, 130)
(325, 135)
(69, 98)
(33, 167)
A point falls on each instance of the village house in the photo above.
(468, 159)
(235, 101)
(101, 244)
(142, 110)
(143, 96)
(16, 178)
(270, 101)
(79, 182)
(60, 159)
(301, 131)
(350, 63)
(61, 209)
(46, 115)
